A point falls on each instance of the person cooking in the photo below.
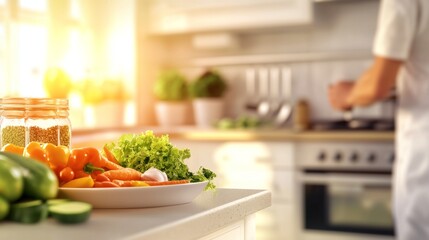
(401, 50)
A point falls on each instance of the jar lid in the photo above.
(21, 104)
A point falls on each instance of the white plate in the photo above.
(135, 197)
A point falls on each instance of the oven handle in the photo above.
(335, 178)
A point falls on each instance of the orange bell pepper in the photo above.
(34, 150)
(90, 160)
(79, 157)
(13, 148)
(57, 156)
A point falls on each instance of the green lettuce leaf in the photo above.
(145, 150)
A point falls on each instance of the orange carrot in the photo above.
(105, 163)
(130, 183)
(171, 182)
(98, 160)
(101, 178)
(110, 155)
(123, 174)
(95, 174)
(104, 184)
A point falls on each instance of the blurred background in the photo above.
(108, 55)
(260, 66)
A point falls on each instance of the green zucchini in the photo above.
(40, 182)
(4, 208)
(11, 180)
(71, 212)
(32, 211)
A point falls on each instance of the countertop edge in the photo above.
(229, 213)
(194, 134)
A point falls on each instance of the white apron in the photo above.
(403, 33)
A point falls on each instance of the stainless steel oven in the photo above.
(346, 190)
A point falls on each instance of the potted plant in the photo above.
(207, 92)
(172, 108)
(102, 97)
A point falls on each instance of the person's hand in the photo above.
(338, 94)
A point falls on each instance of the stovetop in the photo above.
(354, 124)
(368, 156)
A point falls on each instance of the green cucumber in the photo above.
(56, 201)
(71, 212)
(4, 208)
(11, 180)
(40, 182)
(32, 211)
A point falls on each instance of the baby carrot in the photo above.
(123, 174)
(171, 182)
(101, 178)
(98, 160)
(110, 155)
(105, 163)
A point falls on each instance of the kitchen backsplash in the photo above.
(339, 27)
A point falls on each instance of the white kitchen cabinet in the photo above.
(254, 165)
(185, 16)
(242, 230)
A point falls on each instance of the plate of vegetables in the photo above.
(135, 197)
(137, 170)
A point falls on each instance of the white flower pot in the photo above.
(207, 111)
(172, 113)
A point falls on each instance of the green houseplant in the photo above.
(209, 85)
(101, 96)
(170, 86)
(207, 92)
(172, 107)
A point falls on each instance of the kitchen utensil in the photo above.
(264, 104)
(274, 97)
(285, 109)
(356, 123)
(251, 94)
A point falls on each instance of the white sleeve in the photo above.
(397, 24)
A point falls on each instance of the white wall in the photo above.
(339, 26)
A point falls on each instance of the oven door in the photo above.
(352, 203)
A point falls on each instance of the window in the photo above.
(34, 5)
(23, 46)
(38, 35)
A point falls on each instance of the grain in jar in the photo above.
(24, 120)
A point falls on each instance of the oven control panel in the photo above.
(346, 155)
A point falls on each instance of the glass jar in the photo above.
(25, 120)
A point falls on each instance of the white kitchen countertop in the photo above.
(209, 212)
(98, 138)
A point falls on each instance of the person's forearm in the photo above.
(376, 84)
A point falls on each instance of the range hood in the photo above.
(190, 16)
